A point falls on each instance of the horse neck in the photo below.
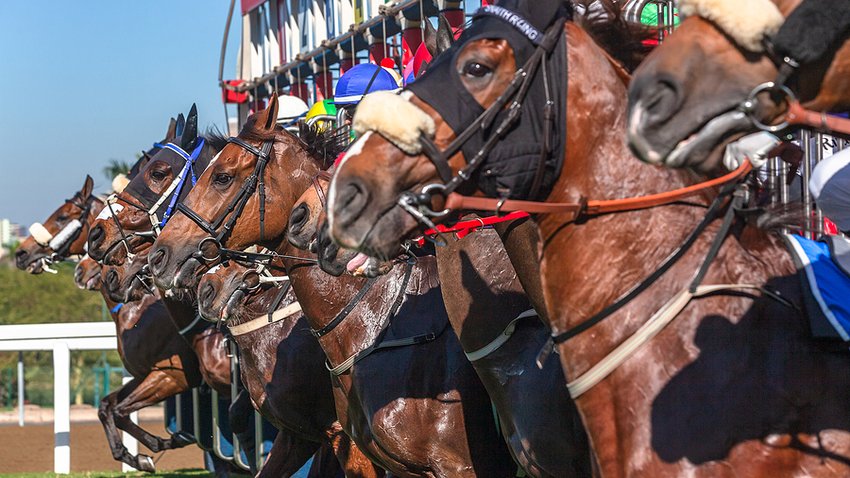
(598, 165)
(323, 297)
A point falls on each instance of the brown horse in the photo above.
(500, 334)
(121, 237)
(282, 366)
(62, 235)
(415, 405)
(685, 98)
(728, 388)
(161, 363)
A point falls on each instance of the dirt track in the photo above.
(30, 449)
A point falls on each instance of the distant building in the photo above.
(11, 233)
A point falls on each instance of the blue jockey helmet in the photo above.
(360, 80)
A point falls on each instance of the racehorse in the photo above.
(282, 366)
(728, 387)
(161, 363)
(414, 406)
(686, 98)
(500, 335)
(122, 236)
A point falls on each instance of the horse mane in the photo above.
(325, 146)
(215, 138)
(605, 21)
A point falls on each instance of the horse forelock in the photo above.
(747, 22)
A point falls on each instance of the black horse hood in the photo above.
(511, 166)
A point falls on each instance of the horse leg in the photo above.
(353, 461)
(288, 455)
(325, 463)
(137, 394)
(106, 414)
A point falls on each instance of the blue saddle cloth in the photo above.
(828, 281)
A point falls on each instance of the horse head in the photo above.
(685, 101)
(232, 291)
(87, 274)
(63, 233)
(413, 144)
(226, 208)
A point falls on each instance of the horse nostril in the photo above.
(298, 218)
(351, 201)
(96, 236)
(157, 260)
(207, 294)
(112, 282)
(661, 100)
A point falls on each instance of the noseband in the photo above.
(60, 243)
(210, 248)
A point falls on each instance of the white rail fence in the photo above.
(60, 339)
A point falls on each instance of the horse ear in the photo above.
(430, 37)
(190, 132)
(88, 187)
(445, 36)
(267, 118)
(171, 132)
(181, 124)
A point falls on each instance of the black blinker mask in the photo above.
(511, 166)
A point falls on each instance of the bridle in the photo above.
(211, 248)
(419, 205)
(61, 242)
(171, 194)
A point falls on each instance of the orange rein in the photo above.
(798, 115)
(593, 207)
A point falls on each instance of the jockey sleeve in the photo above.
(830, 186)
(812, 29)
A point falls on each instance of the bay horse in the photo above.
(685, 99)
(734, 386)
(282, 367)
(500, 334)
(160, 362)
(122, 235)
(415, 405)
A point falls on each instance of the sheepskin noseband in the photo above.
(395, 118)
(748, 22)
(40, 233)
(119, 183)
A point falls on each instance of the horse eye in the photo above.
(157, 175)
(222, 179)
(476, 70)
(62, 218)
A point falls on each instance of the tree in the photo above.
(115, 167)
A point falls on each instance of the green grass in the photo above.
(110, 474)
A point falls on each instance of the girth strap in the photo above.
(500, 340)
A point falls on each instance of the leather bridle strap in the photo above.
(346, 311)
(219, 230)
(798, 115)
(585, 208)
(517, 90)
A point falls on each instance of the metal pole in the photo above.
(818, 229)
(61, 409)
(21, 397)
(130, 443)
(806, 140)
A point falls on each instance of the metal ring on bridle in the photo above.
(216, 244)
(749, 106)
(424, 199)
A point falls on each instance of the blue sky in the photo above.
(84, 82)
